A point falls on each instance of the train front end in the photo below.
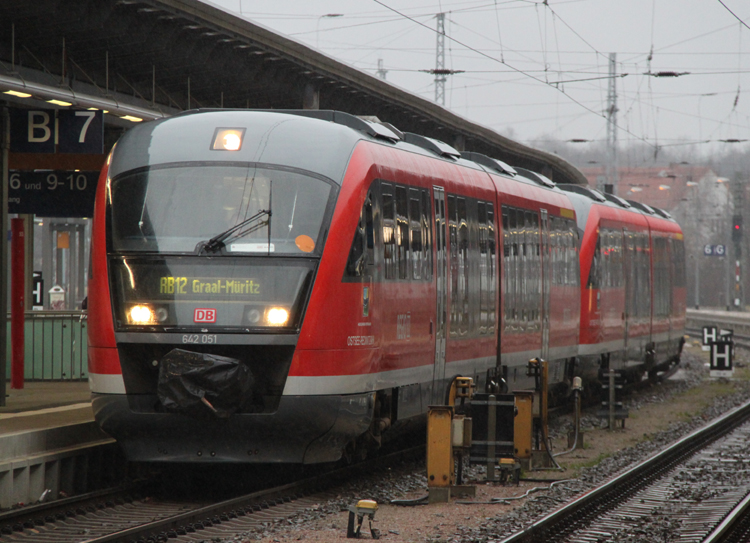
(208, 231)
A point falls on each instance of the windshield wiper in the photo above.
(217, 242)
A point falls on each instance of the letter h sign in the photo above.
(721, 356)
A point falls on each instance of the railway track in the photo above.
(681, 493)
(140, 516)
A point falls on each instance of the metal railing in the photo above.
(56, 346)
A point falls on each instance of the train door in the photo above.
(441, 269)
(546, 282)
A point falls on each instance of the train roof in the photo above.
(268, 137)
(295, 138)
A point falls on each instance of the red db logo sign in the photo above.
(204, 315)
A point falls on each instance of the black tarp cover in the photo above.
(200, 384)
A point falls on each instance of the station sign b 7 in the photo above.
(56, 131)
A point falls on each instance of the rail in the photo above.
(55, 346)
(560, 524)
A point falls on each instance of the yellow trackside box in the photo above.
(523, 423)
(439, 446)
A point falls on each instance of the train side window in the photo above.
(534, 270)
(402, 232)
(463, 265)
(514, 235)
(453, 243)
(679, 263)
(606, 258)
(483, 267)
(647, 304)
(426, 235)
(574, 276)
(415, 233)
(594, 270)
(506, 265)
(361, 255)
(491, 269)
(389, 231)
(662, 292)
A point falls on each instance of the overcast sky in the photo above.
(535, 71)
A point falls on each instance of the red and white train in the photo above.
(288, 286)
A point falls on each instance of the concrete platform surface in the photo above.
(45, 404)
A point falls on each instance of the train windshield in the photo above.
(234, 208)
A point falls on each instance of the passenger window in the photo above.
(402, 232)
(389, 231)
(594, 270)
(463, 266)
(491, 269)
(426, 236)
(415, 233)
(453, 245)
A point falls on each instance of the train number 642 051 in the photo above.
(206, 339)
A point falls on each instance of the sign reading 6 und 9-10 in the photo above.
(56, 131)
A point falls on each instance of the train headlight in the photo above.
(141, 314)
(228, 139)
(277, 316)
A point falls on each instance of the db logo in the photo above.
(204, 315)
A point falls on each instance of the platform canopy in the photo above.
(151, 58)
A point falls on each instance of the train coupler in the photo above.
(357, 514)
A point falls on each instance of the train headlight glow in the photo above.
(228, 139)
(141, 314)
(277, 316)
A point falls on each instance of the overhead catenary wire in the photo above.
(510, 66)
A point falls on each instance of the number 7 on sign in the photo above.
(90, 115)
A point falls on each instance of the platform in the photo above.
(45, 404)
(50, 446)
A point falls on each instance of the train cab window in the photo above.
(362, 253)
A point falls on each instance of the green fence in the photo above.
(55, 346)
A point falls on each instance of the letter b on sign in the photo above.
(32, 130)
